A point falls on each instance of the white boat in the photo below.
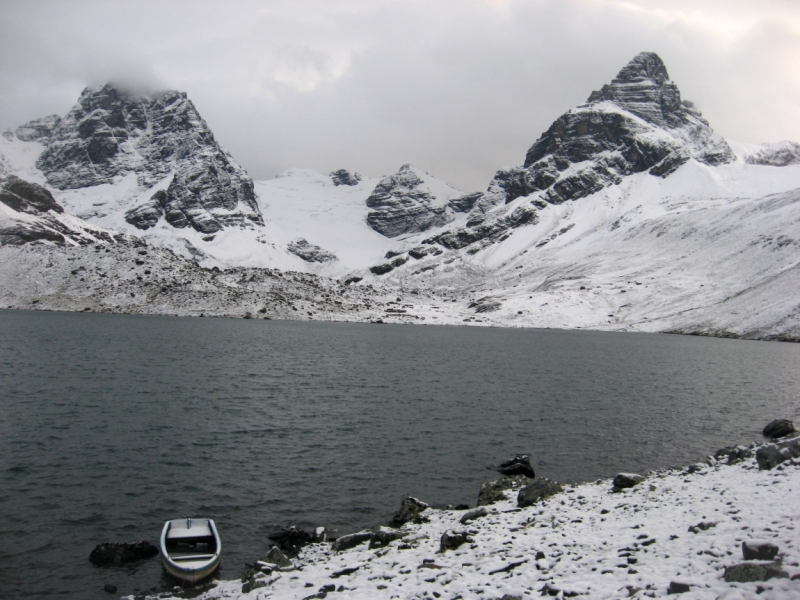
(190, 548)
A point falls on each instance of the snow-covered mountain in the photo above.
(629, 212)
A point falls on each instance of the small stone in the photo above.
(703, 526)
(675, 587)
(759, 550)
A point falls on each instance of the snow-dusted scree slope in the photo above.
(628, 213)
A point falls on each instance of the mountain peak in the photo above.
(645, 65)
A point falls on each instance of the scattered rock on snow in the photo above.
(111, 553)
(475, 513)
(759, 550)
(410, 510)
(344, 177)
(627, 480)
(519, 465)
(453, 539)
(747, 572)
(676, 587)
(702, 526)
(346, 542)
(778, 428)
(538, 490)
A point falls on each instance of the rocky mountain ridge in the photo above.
(109, 134)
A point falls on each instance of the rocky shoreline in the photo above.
(723, 528)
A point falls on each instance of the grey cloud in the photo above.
(459, 89)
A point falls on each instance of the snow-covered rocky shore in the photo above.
(678, 530)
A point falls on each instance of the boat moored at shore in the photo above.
(190, 548)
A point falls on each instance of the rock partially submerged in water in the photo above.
(779, 428)
(115, 553)
(291, 539)
(519, 465)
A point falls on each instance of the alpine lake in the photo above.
(112, 424)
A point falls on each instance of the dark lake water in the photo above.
(110, 425)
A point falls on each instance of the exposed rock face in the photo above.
(26, 197)
(29, 213)
(402, 204)
(451, 540)
(346, 542)
(759, 550)
(636, 123)
(779, 154)
(310, 252)
(109, 134)
(747, 572)
(344, 177)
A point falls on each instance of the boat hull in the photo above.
(190, 549)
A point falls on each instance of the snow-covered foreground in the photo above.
(589, 541)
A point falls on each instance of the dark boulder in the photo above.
(771, 455)
(537, 491)
(453, 539)
(496, 490)
(110, 588)
(519, 465)
(627, 480)
(291, 539)
(759, 550)
(111, 553)
(346, 542)
(779, 428)
(747, 572)
(411, 509)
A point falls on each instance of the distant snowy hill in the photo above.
(629, 212)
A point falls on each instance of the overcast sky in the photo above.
(459, 88)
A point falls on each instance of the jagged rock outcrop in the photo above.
(310, 252)
(110, 133)
(29, 213)
(406, 203)
(779, 154)
(344, 177)
(636, 123)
